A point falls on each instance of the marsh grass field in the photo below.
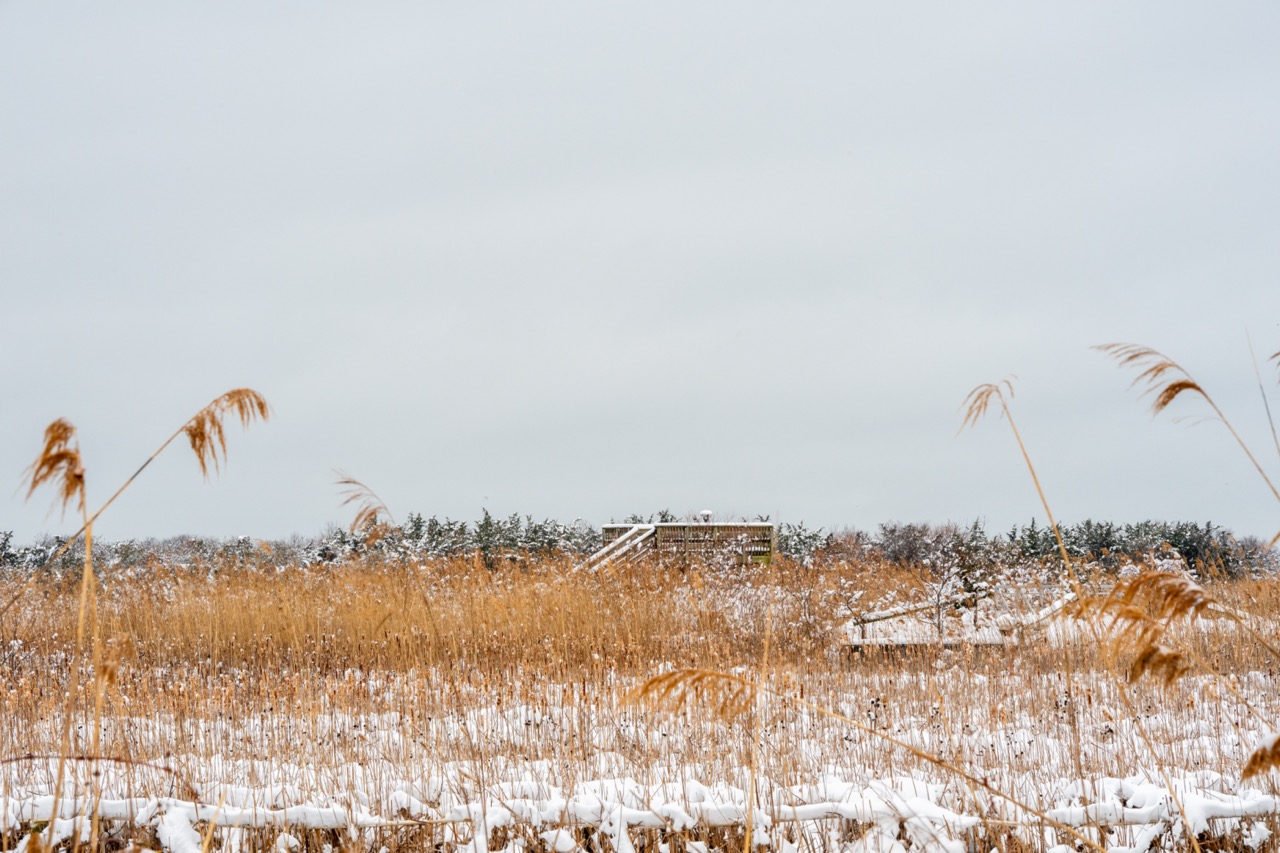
(597, 427)
(387, 703)
(446, 705)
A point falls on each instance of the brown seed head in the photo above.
(1166, 595)
(1136, 613)
(1266, 756)
(369, 507)
(60, 463)
(206, 431)
(1160, 662)
(728, 696)
(1160, 376)
(980, 398)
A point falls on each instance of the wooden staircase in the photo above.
(630, 546)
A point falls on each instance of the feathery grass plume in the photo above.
(1158, 660)
(1162, 377)
(59, 462)
(729, 696)
(1138, 612)
(1166, 380)
(369, 507)
(1264, 757)
(1168, 596)
(979, 399)
(975, 406)
(206, 430)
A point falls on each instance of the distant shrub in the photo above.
(1203, 548)
(801, 544)
(494, 539)
(967, 555)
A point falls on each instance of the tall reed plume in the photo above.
(1165, 380)
(1138, 612)
(60, 463)
(975, 407)
(206, 431)
(370, 508)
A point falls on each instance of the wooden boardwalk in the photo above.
(682, 542)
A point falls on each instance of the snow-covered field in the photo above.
(479, 765)
(453, 709)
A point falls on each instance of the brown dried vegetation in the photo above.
(370, 509)
(1262, 759)
(207, 430)
(59, 462)
(729, 696)
(1161, 377)
(975, 405)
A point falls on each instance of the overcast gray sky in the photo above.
(587, 259)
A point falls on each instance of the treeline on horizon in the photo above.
(1206, 548)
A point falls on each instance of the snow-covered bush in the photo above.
(801, 544)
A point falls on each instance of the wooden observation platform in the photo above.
(686, 541)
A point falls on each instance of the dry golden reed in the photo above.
(60, 459)
(980, 398)
(370, 508)
(1162, 377)
(1161, 662)
(207, 431)
(729, 696)
(1137, 613)
(975, 406)
(59, 462)
(1263, 759)
(1166, 380)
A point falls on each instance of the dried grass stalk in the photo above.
(976, 406)
(1265, 757)
(1160, 376)
(59, 462)
(369, 507)
(1160, 661)
(980, 398)
(207, 432)
(728, 696)
(1137, 613)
